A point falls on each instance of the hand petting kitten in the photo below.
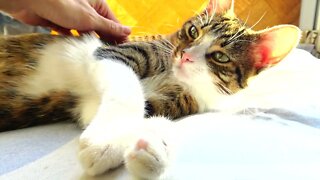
(63, 15)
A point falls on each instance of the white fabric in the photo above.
(277, 138)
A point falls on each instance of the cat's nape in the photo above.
(120, 92)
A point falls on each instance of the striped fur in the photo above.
(170, 90)
(19, 59)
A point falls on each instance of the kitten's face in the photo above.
(219, 45)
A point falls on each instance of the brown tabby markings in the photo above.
(145, 58)
(152, 58)
(149, 56)
(19, 58)
(27, 111)
(171, 99)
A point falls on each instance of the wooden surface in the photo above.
(276, 12)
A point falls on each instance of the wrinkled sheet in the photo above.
(269, 131)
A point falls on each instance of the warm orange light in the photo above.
(155, 16)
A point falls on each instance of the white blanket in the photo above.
(276, 135)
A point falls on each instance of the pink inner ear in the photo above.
(265, 57)
(210, 7)
(274, 44)
(264, 52)
(218, 6)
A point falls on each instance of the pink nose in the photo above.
(186, 58)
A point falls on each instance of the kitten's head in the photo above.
(218, 44)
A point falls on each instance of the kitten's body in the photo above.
(49, 82)
(111, 89)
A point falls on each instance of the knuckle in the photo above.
(91, 21)
(113, 27)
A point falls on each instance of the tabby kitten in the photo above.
(124, 95)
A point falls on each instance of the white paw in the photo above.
(99, 155)
(148, 158)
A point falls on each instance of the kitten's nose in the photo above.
(186, 57)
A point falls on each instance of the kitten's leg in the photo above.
(104, 141)
(144, 147)
(149, 155)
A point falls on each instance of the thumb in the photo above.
(112, 31)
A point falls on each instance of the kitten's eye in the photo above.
(220, 57)
(193, 32)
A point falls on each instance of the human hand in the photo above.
(63, 15)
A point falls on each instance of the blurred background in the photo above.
(165, 16)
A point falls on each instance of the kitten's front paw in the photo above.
(100, 155)
(147, 159)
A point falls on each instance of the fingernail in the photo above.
(126, 30)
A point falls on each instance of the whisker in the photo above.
(214, 12)
(235, 36)
(168, 42)
(207, 17)
(223, 89)
(246, 21)
(239, 36)
(164, 48)
(258, 20)
(160, 44)
(243, 41)
(199, 17)
(249, 28)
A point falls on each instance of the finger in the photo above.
(104, 10)
(111, 39)
(109, 14)
(111, 31)
(32, 19)
(48, 24)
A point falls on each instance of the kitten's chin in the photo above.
(180, 72)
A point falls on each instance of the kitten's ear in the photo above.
(220, 6)
(274, 44)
